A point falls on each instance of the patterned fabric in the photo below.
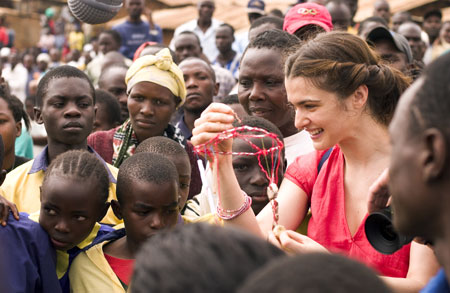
(125, 141)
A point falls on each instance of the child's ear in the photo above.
(117, 209)
(104, 211)
(37, 115)
(18, 128)
(216, 88)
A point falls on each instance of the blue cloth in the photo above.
(24, 144)
(187, 133)
(41, 163)
(133, 35)
(438, 284)
(27, 258)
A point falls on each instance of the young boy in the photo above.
(251, 178)
(147, 201)
(177, 155)
(67, 222)
(65, 102)
(108, 111)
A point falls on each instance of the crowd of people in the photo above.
(226, 161)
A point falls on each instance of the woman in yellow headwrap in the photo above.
(155, 88)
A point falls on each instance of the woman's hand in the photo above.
(379, 193)
(214, 120)
(293, 242)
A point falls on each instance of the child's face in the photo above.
(69, 210)
(148, 208)
(251, 178)
(184, 176)
(102, 121)
(67, 111)
(9, 128)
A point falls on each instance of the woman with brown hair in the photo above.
(345, 98)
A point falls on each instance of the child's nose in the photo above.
(157, 221)
(62, 227)
(72, 110)
(258, 178)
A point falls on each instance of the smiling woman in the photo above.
(345, 99)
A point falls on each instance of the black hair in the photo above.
(219, 259)
(112, 106)
(277, 13)
(274, 39)
(147, 167)
(433, 12)
(107, 69)
(228, 26)
(314, 273)
(15, 106)
(208, 66)
(230, 100)
(254, 121)
(431, 102)
(276, 21)
(115, 35)
(340, 62)
(82, 165)
(161, 145)
(192, 34)
(377, 19)
(64, 71)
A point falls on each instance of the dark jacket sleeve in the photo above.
(196, 183)
(27, 258)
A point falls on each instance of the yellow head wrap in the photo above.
(159, 69)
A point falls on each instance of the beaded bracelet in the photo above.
(231, 214)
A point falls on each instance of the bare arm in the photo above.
(215, 119)
(422, 266)
(292, 207)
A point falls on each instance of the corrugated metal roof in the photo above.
(365, 7)
(232, 12)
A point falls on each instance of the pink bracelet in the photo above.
(231, 214)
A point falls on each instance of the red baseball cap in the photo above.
(307, 13)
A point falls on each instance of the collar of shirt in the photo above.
(40, 163)
(187, 133)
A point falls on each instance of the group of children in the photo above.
(69, 198)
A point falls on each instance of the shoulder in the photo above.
(114, 171)
(102, 143)
(216, 23)
(120, 26)
(99, 136)
(187, 26)
(24, 235)
(16, 176)
(304, 170)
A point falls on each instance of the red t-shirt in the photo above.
(328, 223)
(123, 268)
